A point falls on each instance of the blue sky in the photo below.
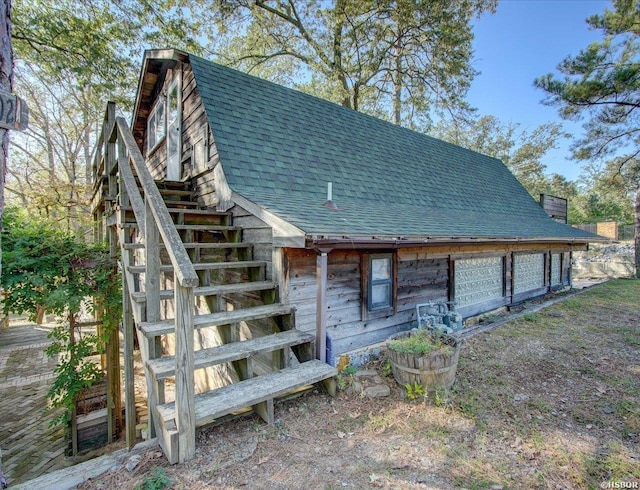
(523, 40)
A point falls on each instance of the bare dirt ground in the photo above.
(549, 401)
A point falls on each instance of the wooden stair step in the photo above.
(163, 327)
(173, 184)
(204, 212)
(194, 227)
(202, 266)
(214, 404)
(199, 212)
(175, 192)
(188, 204)
(215, 290)
(209, 227)
(165, 367)
(203, 245)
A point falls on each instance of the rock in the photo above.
(366, 373)
(520, 397)
(377, 391)
(133, 462)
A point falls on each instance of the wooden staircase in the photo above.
(187, 274)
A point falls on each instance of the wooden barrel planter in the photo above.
(89, 422)
(433, 370)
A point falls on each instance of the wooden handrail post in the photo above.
(185, 391)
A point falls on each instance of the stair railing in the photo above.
(154, 224)
(158, 224)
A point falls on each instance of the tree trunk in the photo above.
(397, 86)
(40, 311)
(6, 80)
(636, 214)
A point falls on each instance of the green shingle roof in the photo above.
(279, 148)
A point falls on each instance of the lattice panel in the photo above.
(528, 272)
(556, 271)
(478, 280)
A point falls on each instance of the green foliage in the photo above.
(602, 85)
(440, 396)
(414, 391)
(157, 481)
(70, 58)
(387, 368)
(422, 341)
(349, 370)
(44, 267)
(398, 60)
(79, 41)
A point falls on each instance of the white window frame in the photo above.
(174, 160)
(372, 282)
(156, 127)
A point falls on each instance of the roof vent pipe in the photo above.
(329, 203)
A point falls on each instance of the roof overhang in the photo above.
(373, 242)
(154, 68)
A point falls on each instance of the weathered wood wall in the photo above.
(194, 127)
(423, 274)
(420, 279)
(156, 158)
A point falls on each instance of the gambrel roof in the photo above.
(280, 147)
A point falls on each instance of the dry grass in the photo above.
(548, 401)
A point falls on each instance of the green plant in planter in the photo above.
(414, 391)
(422, 341)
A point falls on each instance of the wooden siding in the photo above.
(194, 122)
(423, 274)
(156, 159)
(258, 233)
(418, 280)
(194, 127)
(555, 207)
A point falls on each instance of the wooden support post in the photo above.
(112, 357)
(152, 293)
(152, 261)
(74, 413)
(265, 411)
(280, 274)
(185, 385)
(129, 387)
(114, 402)
(110, 150)
(321, 304)
(74, 431)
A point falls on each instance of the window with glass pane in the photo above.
(156, 125)
(380, 282)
